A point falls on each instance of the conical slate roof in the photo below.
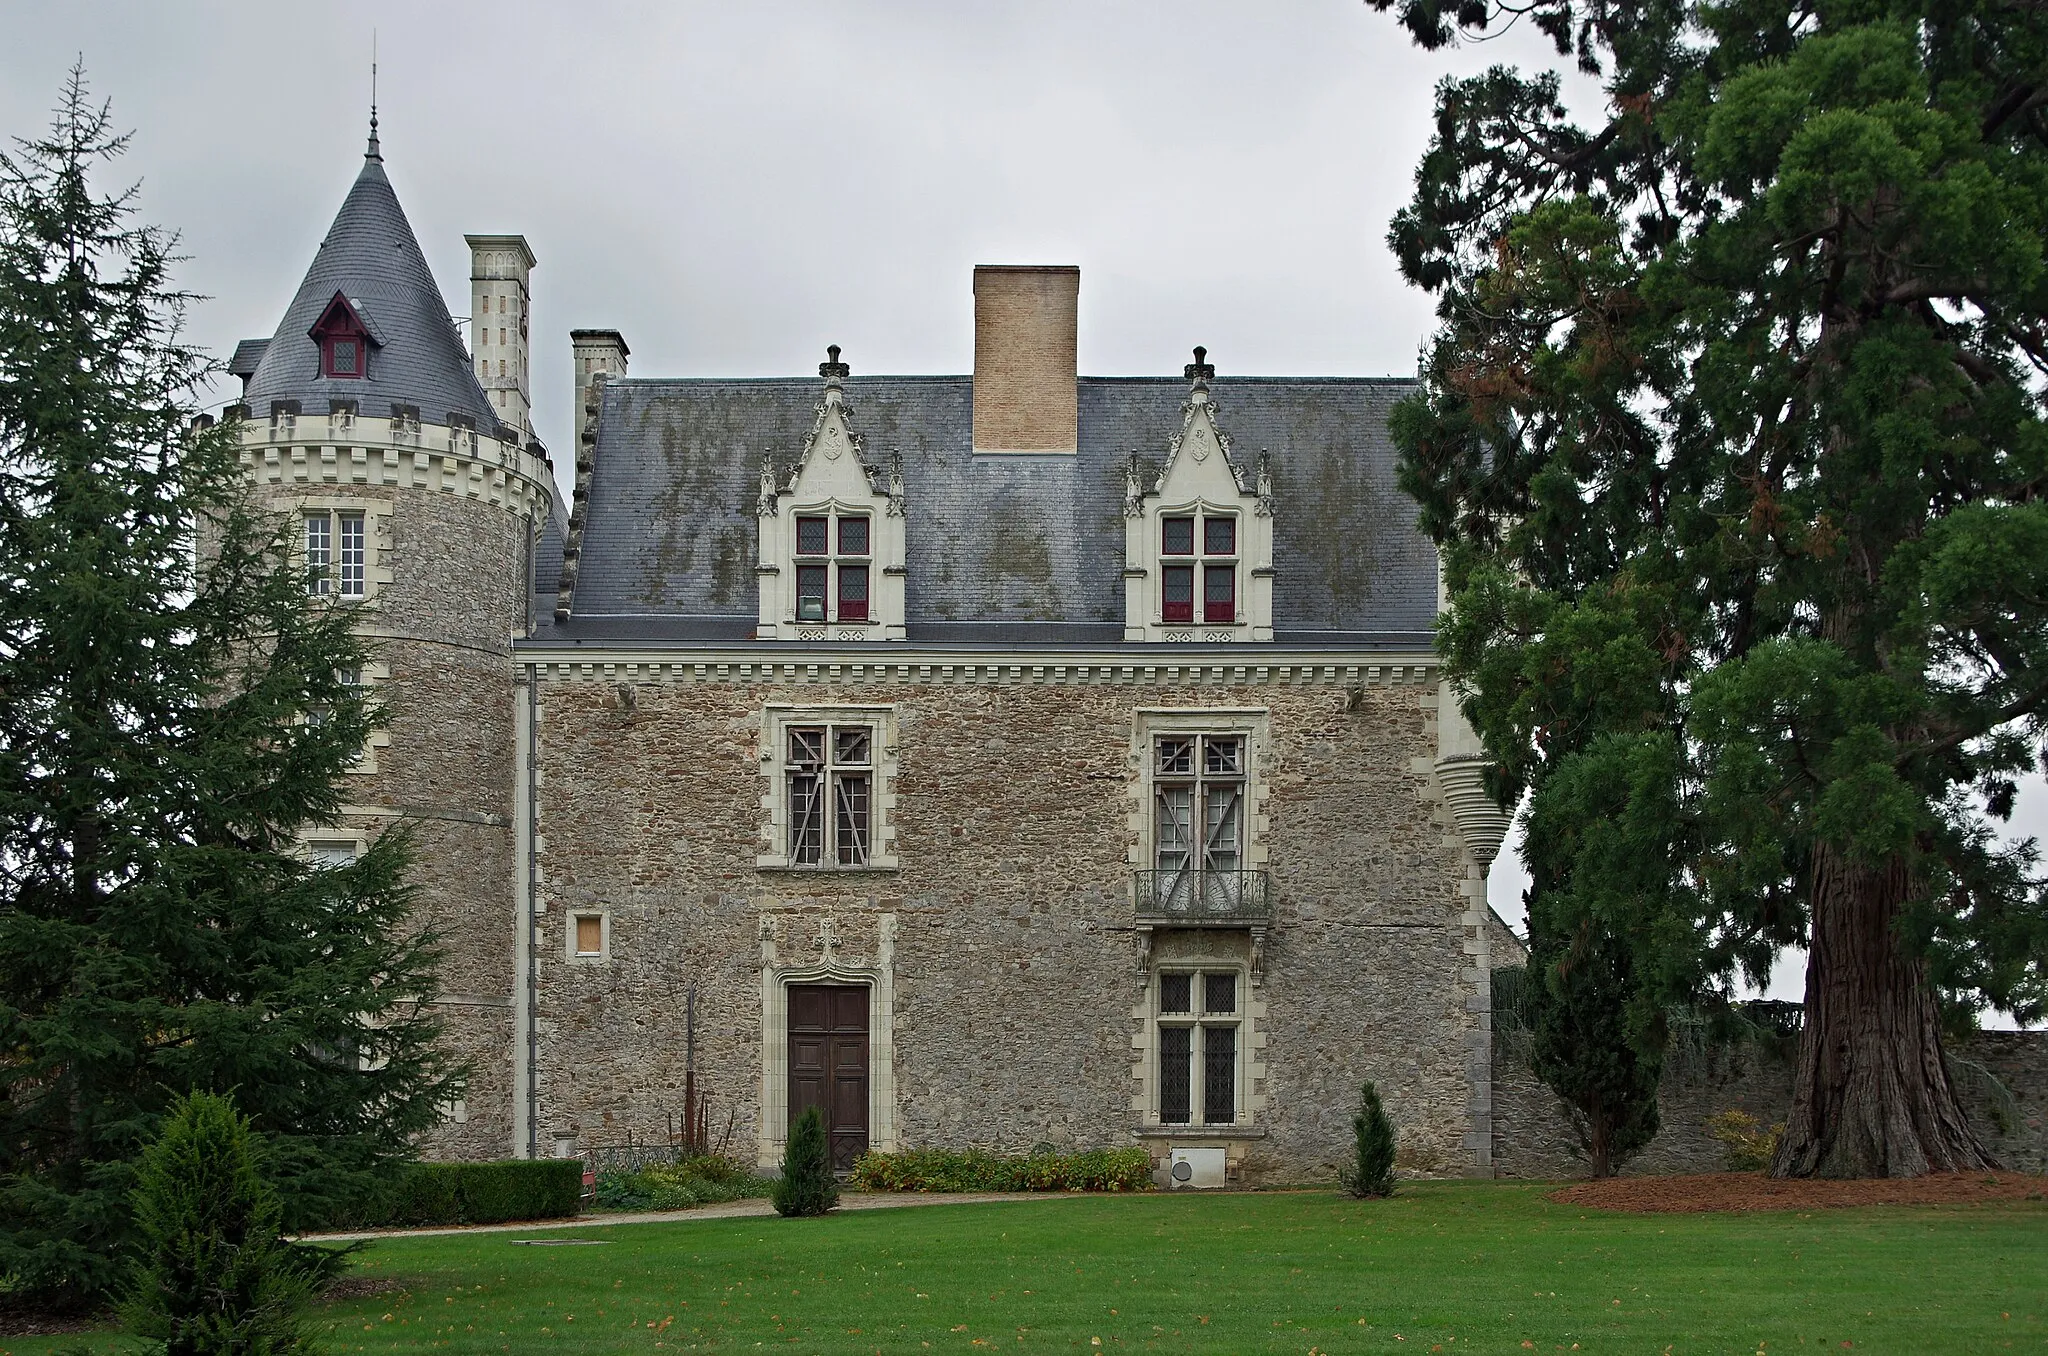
(417, 358)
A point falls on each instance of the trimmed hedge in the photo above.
(979, 1170)
(427, 1194)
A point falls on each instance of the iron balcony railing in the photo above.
(1195, 898)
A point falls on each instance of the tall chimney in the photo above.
(593, 352)
(1024, 358)
(500, 294)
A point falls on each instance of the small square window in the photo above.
(853, 536)
(589, 934)
(813, 536)
(1219, 996)
(1177, 536)
(1219, 536)
(343, 358)
(1178, 593)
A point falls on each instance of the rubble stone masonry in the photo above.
(1005, 941)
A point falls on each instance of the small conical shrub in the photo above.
(214, 1276)
(806, 1187)
(1372, 1165)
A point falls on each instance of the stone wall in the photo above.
(448, 594)
(1005, 940)
(1533, 1138)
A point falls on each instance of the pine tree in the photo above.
(1733, 435)
(174, 710)
(1371, 1172)
(214, 1276)
(806, 1186)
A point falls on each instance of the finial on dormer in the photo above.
(373, 153)
(1199, 370)
(832, 369)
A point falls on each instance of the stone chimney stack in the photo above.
(499, 299)
(594, 352)
(1025, 371)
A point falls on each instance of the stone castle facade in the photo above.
(996, 760)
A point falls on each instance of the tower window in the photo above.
(337, 554)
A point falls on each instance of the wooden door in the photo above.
(828, 1063)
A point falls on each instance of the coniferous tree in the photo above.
(214, 1276)
(806, 1186)
(1733, 435)
(1582, 1046)
(1371, 1171)
(174, 710)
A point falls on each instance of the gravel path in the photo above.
(749, 1209)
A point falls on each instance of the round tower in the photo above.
(363, 417)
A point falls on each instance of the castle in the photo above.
(996, 760)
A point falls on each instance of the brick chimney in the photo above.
(1024, 358)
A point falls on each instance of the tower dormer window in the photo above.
(345, 337)
(344, 358)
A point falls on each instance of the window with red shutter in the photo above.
(1219, 593)
(1178, 599)
(853, 593)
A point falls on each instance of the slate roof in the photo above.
(371, 256)
(247, 358)
(1002, 548)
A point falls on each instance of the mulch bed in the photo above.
(1716, 1191)
(35, 1323)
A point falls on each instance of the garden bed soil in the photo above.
(39, 1323)
(1726, 1191)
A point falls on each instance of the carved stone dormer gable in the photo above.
(1198, 542)
(831, 532)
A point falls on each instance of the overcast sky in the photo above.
(736, 185)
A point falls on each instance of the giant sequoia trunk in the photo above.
(1872, 1097)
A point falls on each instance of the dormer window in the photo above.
(831, 585)
(344, 358)
(345, 337)
(1214, 567)
(1198, 534)
(831, 533)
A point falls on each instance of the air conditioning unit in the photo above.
(1197, 1168)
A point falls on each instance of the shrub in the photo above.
(428, 1194)
(979, 1170)
(1372, 1156)
(703, 1179)
(214, 1274)
(1748, 1145)
(806, 1187)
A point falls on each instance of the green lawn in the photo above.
(1458, 1266)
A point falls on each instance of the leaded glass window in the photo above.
(1197, 1024)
